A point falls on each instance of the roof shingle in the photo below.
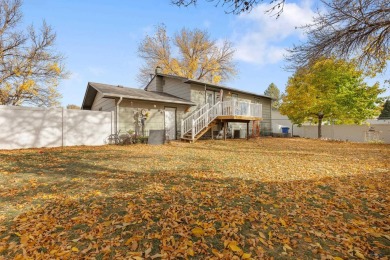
(138, 94)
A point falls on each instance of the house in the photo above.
(184, 108)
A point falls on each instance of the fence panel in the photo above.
(27, 127)
(353, 133)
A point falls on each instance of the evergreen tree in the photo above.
(274, 92)
(385, 114)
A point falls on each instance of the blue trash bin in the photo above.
(285, 130)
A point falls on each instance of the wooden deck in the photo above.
(202, 120)
(234, 118)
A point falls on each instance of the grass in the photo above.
(280, 198)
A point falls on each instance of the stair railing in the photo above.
(205, 119)
(187, 123)
(202, 117)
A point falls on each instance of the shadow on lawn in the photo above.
(119, 201)
(330, 217)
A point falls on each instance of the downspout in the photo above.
(117, 113)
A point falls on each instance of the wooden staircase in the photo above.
(188, 136)
(202, 120)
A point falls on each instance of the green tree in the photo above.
(385, 113)
(30, 68)
(198, 56)
(274, 92)
(332, 90)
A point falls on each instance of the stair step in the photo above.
(186, 139)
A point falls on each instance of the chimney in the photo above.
(158, 70)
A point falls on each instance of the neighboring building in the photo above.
(183, 107)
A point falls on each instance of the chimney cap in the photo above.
(158, 70)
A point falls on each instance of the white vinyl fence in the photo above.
(28, 127)
(353, 133)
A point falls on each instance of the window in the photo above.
(257, 101)
(210, 97)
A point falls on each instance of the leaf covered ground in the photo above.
(259, 199)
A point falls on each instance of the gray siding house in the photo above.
(184, 108)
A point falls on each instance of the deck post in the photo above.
(193, 130)
(182, 129)
(247, 130)
(224, 131)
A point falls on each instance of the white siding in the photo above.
(279, 121)
(176, 88)
(198, 95)
(129, 111)
(152, 85)
(103, 104)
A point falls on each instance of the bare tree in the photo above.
(238, 6)
(349, 29)
(30, 69)
(199, 57)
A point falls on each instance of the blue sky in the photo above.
(100, 38)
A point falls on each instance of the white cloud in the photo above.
(262, 39)
(96, 71)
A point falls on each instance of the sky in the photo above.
(100, 38)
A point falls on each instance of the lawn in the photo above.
(258, 199)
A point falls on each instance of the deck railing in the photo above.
(239, 108)
(205, 119)
(187, 124)
(202, 117)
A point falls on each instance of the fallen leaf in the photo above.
(359, 255)
(233, 246)
(190, 252)
(282, 222)
(198, 231)
(24, 240)
(216, 253)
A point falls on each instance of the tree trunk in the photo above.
(319, 126)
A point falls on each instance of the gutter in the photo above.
(117, 113)
(188, 103)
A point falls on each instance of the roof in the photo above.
(111, 91)
(199, 82)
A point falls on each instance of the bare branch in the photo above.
(238, 6)
(358, 29)
(199, 57)
(30, 68)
